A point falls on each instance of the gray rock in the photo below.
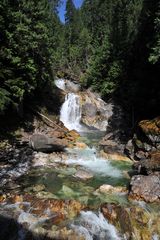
(140, 155)
(129, 149)
(71, 87)
(111, 146)
(145, 187)
(43, 143)
(89, 109)
(150, 164)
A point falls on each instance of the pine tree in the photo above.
(27, 47)
(155, 55)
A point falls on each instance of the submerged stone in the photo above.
(84, 175)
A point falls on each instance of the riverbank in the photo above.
(58, 183)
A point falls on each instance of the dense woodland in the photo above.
(112, 46)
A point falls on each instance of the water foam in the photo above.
(93, 226)
(87, 158)
(70, 113)
(60, 83)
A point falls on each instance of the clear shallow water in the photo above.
(62, 183)
(59, 182)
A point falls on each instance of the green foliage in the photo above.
(28, 41)
(111, 45)
(155, 54)
(4, 99)
(75, 44)
(95, 38)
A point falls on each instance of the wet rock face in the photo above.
(145, 188)
(43, 143)
(95, 112)
(117, 131)
(89, 109)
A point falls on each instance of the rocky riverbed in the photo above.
(59, 184)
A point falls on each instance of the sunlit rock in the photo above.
(114, 156)
(151, 129)
(80, 145)
(106, 188)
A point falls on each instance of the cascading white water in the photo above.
(70, 113)
(93, 226)
(60, 83)
(87, 159)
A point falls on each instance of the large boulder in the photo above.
(111, 146)
(95, 112)
(151, 128)
(145, 188)
(145, 141)
(42, 143)
(150, 165)
(89, 109)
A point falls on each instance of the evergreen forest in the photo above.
(79, 120)
(112, 46)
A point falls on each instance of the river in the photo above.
(81, 176)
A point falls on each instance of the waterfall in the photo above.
(60, 83)
(70, 113)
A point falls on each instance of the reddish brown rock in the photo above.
(132, 222)
(109, 211)
(151, 129)
(67, 208)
